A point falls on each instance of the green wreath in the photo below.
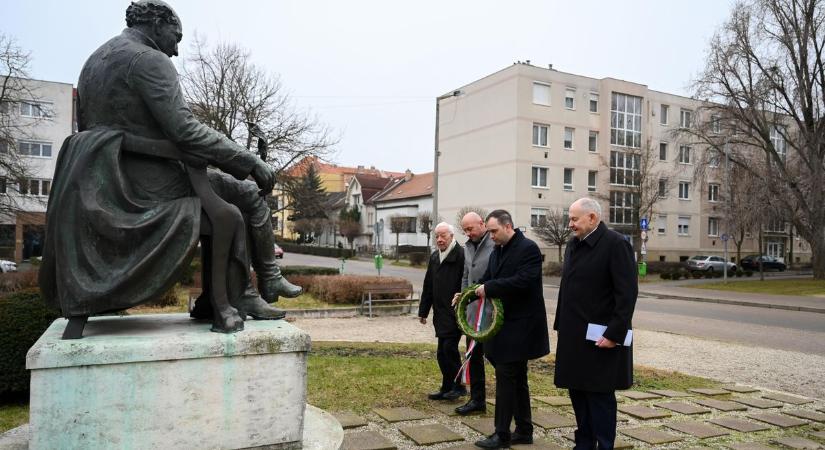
(468, 295)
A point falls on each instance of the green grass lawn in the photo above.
(362, 376)
(805, 286)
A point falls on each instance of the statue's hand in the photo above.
(264, 176)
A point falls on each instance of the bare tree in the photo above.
(764, 93)
(350, 229)
(425, 224)
(553, 229)
(229, 93)
(398, 225)
(468, 209)
(18, 97)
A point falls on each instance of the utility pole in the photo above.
(436, 154)
(725, 235)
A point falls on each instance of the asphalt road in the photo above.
(759, 327)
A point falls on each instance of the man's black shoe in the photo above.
(455, 393)
(493, 441)
(437, 395)
(518, 438)
(471, 407)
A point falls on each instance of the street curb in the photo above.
(736, 302)
(347, 312)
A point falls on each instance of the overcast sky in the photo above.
(371, 69)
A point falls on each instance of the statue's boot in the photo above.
(250, 303)
(271, 283)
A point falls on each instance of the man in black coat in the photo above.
(514, 276)
(442, 281)
(598, 286)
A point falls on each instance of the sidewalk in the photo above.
(681, 290)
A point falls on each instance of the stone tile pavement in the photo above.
(737, 417)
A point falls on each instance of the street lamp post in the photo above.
(436, 154)
(726, 235)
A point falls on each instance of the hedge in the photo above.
(333, 252)
(308, 270)
(341, 289)
(16, 281)
(23, 318)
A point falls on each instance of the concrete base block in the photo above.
(166, 381)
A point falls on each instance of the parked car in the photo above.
(751, 262)
(279, 252)
(709, 264)
(7, 266)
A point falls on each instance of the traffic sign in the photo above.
(643, 223)
(644, 235)
(724, 237)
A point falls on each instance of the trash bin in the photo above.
(642, 269)
(379, 263)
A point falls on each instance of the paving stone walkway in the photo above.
(736, 417)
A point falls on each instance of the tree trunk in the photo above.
(397, 235)
(761, 252)
(560, 261)
(818, 258)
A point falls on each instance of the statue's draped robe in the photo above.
(121, 227)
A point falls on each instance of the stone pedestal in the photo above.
(165, 381)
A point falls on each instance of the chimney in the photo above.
(408, 175)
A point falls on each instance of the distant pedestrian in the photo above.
(598, 292)
(514, 276)
(441, 282)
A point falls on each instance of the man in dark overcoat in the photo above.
(514, 276)
(598, 286)
(441, 282)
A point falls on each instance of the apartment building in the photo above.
(40, 124)
(530, 139)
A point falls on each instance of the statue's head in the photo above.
(159, 21)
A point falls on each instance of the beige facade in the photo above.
(45, 121)
(529, 139)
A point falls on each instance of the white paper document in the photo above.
(596, 331)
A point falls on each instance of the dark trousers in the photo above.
(449, 361)
(512, 398)
(478, 389)
(595, 419)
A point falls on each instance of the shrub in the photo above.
(749, 273)
(289, 271)
(552, 269)
(188, 276)
(708, 274)
(718, 274)
(171, 297)
(16, 281)
(340, 289)
(23, 318)
(663, 266)
(664, 275)
(696, 275)
(739, 274)
(418, 258)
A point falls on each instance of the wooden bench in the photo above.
(401, 292)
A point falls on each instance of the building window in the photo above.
(39, 149)
(778, 140)
(661, 224)
(568, 138)
(570, 99)
(713, 158)
(4, 107)
(541, 93)
(593, 141)
(684, 154)
(624, 168)
(591, 180)
(715, 124)
(594, 102)
(662, 151)
(33, 186)
(536, 216)
(662, 187)
(684, 190)
(685, 118)
(775, 226)
(3, 185)
(713, 192)
(664, 111)
(626, 120)
(33, 109)
(4, 147)
(623, 208)
(540, 133)
(713, 226)
(539, 178)
(684, 226)
(568, 179)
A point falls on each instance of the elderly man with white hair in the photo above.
(443, 279)
(597, 296)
